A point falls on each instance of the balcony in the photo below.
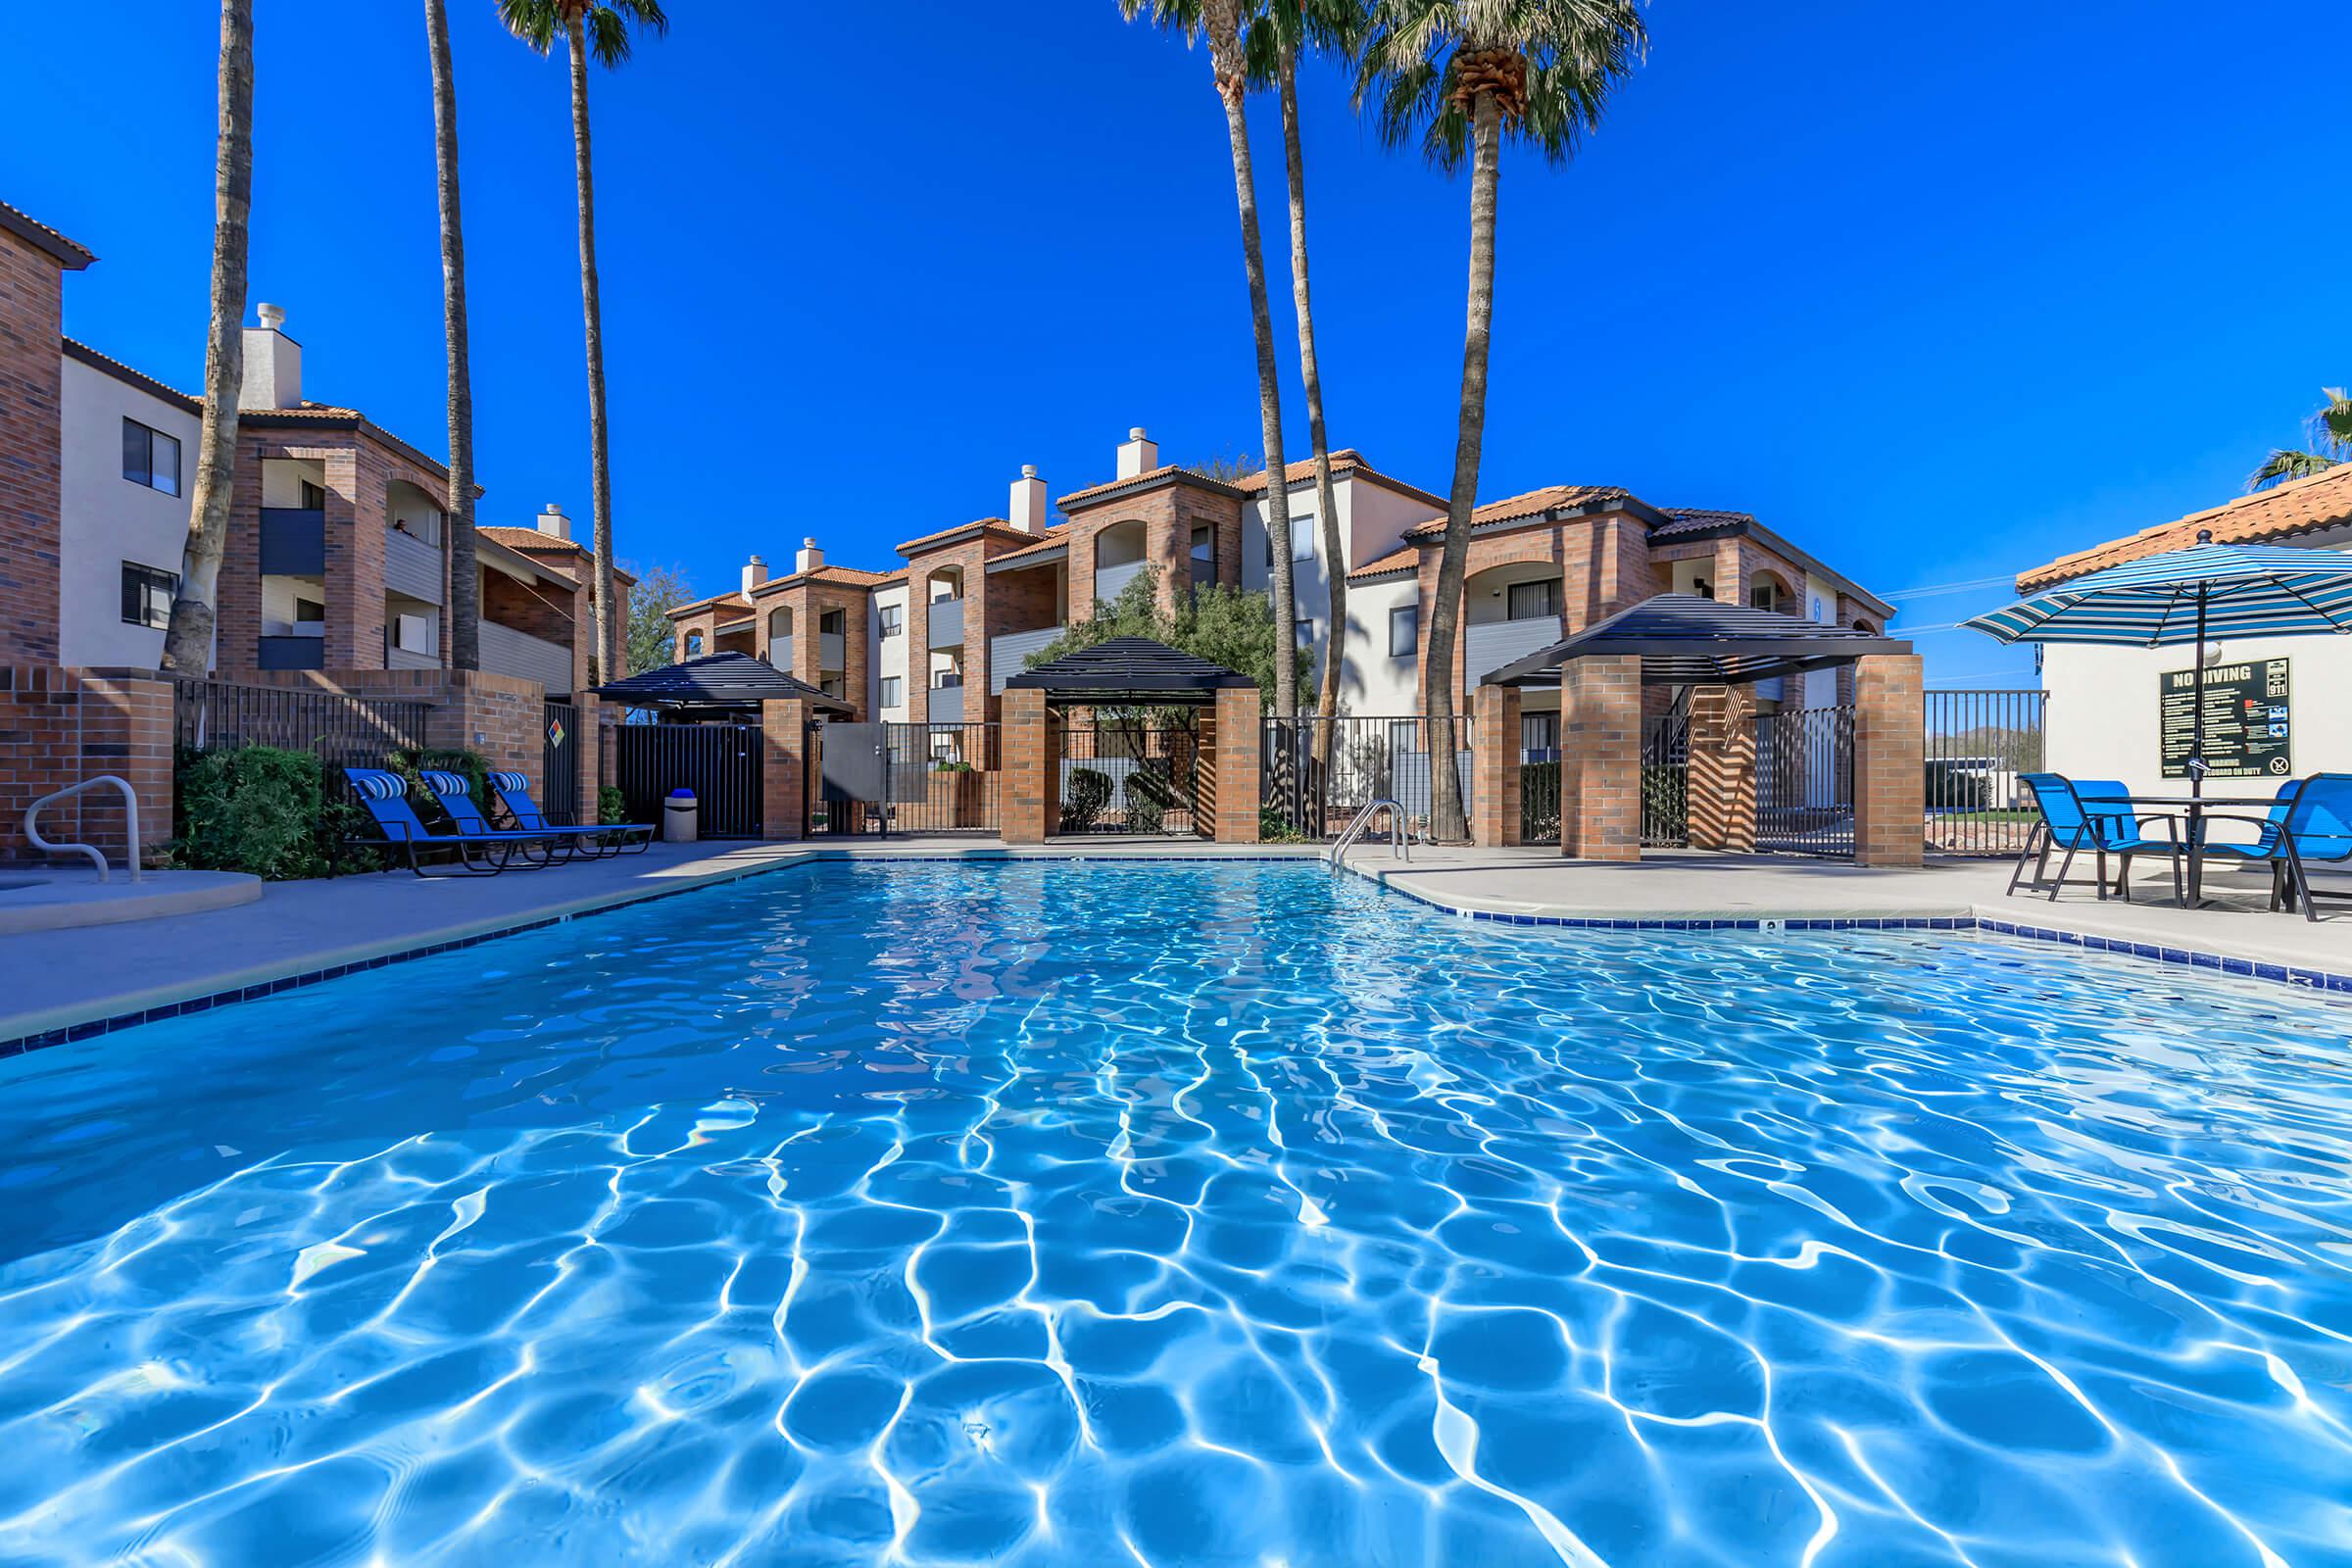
(779, 653)
(293, 653)
(508, 652)
(411, 566)
(1108, 580)
(1487, 645)
(1009, 655)
(832, 648)
(294, 545)
(944, 704)
(945, 627)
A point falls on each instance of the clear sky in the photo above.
(1939, 292)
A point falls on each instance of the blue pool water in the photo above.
(1185, 1214)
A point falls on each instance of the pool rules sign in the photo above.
(2245, 719)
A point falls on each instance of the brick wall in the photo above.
(61, 726)
(783, 768)
(1029, 782)
(1600, 759)
(30, 454)
(1890, 762)
(1239, 758)
(1168, 515)
(1495, 767)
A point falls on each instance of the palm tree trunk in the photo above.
(464, 585)
(1226, 58)
(600, 490)
(188, 643)
(1335, 554)
(1448, 821)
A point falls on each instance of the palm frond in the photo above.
(2334, 423)
(2282, 466)
(537, 22)
(1576, 51)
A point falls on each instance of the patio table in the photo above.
(2197, 807)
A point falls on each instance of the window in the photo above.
(1302, 538)
(1764, 595)
(309, 609)
(830, 623)
(313, 499)
(1205, 548)
(150, 457)
(1307, 629)
(1532, 601)
(1540, 737)
(831, 686)
(1404, 631)
(894, 690)
(894, 619)
(694, 644)
(147, 595)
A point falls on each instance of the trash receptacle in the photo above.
(680, 817)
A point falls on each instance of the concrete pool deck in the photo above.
(77, 979)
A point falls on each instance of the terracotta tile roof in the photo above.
(1148, 476)
(1346, 460)
(532, 541)
(1003, 524)
(845, 577)
(69, 254)
(2298, 507)
(327, 416)
(1698, 520)
(1533, 504)
(1407, 558)
(729, 600)
(146, 383)
(1053, 538)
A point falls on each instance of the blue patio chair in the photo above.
(2318, 827)
(512, 793)
(542, 845)
(385, 796)
(2265, 848)
(2078, 816)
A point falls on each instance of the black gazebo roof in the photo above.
(1130, 671)
(1684, 640)
(716, 680)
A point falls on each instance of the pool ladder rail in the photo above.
(130, 809)
(1400, 843)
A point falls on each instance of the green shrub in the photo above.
(1540, 802)
(611, 807)
(411, 764)
(1083, 798)
(1148, 797)
(1275, 828)
(254, 808)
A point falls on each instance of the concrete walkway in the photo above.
(56, 979)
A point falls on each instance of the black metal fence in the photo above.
(345, 731)
(913, 778)
(719, 763)
(1805, 781)
(1131, 778)
(1367, 760)
(560, 764)
(1666, 778)
(1977, 743)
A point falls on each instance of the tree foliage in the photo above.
(2331, 432)
(657, 592)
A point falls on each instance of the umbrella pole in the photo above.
(2196, 745)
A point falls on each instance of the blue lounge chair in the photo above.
(2079, 816)
(540, 846)
(513, 792)
(2318, 828)
(385, 794)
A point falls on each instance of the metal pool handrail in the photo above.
(131, 807)
(1400, 843)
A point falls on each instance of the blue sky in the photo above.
(1939, 292)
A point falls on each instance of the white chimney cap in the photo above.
(756, 561)
(271, 317)
(1028, 470)
(1136, 433)
(810, 541)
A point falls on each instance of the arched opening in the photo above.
(1768, 589)
(1119, 557)
(1508, 611)
(779, 638)
(694, 644)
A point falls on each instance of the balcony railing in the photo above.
(293, 545)
(779, 653)
(944, 704)
(508, 652)
(1487, 645)
(1009, 655)
(412, 566)
(944, 627)
(1108, 580)
(831, 651)
(293, 653)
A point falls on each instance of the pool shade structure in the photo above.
(716, 685)
(1128, 672)
(1716, 650)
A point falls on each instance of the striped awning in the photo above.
(2245, 590)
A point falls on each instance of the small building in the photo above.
(2105, 714)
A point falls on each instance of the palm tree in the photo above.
(604, 28)
(465, 586)
(2330, 430)
(1228, 59)
(188, 642)
(1282, 30)
(1455, 75)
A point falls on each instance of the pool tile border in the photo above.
(2311, 979)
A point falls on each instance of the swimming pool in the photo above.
(1185, 1213)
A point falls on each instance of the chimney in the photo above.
(1138, 454)
(809, 557)
(755, 572)
(272, 363)
(553, 523)
(1028, 509)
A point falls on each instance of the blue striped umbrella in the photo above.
(2191, 595)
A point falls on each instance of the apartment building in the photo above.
(337, 552)
(935, 638)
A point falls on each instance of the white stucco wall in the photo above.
(887, 656)
(107, 519)
(2101, 721)
(1373, 682)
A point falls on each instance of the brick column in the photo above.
(501, 716)
(1723, 768)
(1239, 756)
(1889, 762)
(1030, 788)
(588, 739)
(784, 768)
(1494, 765)
(61, 726)
(1600, 759)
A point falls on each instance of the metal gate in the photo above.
(1977, 743)
(902, 778)
(560, 764)
(719, 763)
(1370, 759)
(1666, 776)
(1132, 778)
(1805, 781)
